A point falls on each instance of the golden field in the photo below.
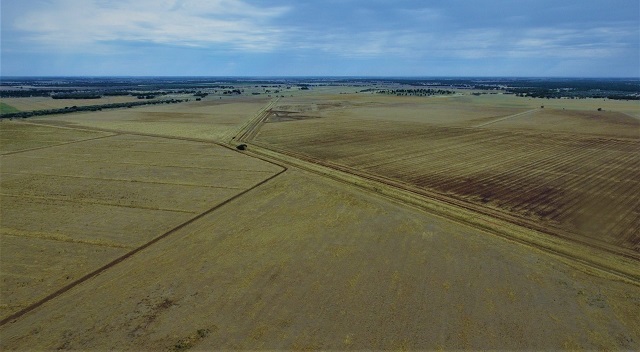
(144, 229)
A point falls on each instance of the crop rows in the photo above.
(576, 183)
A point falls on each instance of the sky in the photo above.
(409, 38)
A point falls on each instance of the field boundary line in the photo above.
(123, 180)
(154, 165)
(160, 152)
(60, 238)
(55, 126)
(97, 203)
(506, 118)
(56, 145)
(245, 132)
(122, 258)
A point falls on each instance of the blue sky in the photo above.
(568, 38)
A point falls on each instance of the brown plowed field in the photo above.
(581, 183)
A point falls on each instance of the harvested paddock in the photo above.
(301, 261)
(578, 183)
(346, 270)
(209, 119)
(584, 122)
(82, 199)
(22, 136)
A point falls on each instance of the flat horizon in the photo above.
(327, 77)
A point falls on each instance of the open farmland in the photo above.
(73, 201)
(550, 179)
(210, 119)
(345, 270)
(132, 229)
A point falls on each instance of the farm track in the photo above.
(126, 180)
(152, 165)
(59, 238)
(248, 130)
(136, 250)
(507, 117)
(61, 199)
(56, 145)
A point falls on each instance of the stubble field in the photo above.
(73, 200)
(199, 246)
(307, 263)
(210, 119)
(508, 158)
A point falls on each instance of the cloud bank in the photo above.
(87, 24)
(318, 37)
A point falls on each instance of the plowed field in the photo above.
(578, 183)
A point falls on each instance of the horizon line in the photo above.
(322, 76)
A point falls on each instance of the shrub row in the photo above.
(68, 110)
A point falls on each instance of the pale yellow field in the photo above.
(84, 199)
(208, 248)
(306, 263)
(210, 119)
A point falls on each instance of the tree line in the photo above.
(72, 109)
(416, 92)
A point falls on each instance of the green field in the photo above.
(7, 109)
